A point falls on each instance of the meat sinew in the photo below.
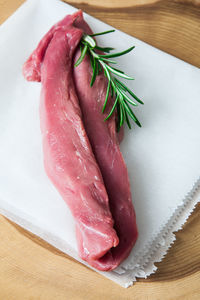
(81, 152)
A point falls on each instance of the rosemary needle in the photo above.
(124, 97)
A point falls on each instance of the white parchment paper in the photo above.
(163, 157)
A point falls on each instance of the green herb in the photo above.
(124, 97)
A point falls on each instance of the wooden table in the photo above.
(31, 268)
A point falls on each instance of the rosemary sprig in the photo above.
(124, 97)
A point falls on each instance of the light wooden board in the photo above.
(32, 269)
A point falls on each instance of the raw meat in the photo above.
(74, 167)
(68, 157)
(104, 142)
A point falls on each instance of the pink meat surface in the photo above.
(105, 145)
(81, 152)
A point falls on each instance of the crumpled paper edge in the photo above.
(158, 248)
(141, 266)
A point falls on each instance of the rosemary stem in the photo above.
(115, 87)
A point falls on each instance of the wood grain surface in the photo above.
(32, 269)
